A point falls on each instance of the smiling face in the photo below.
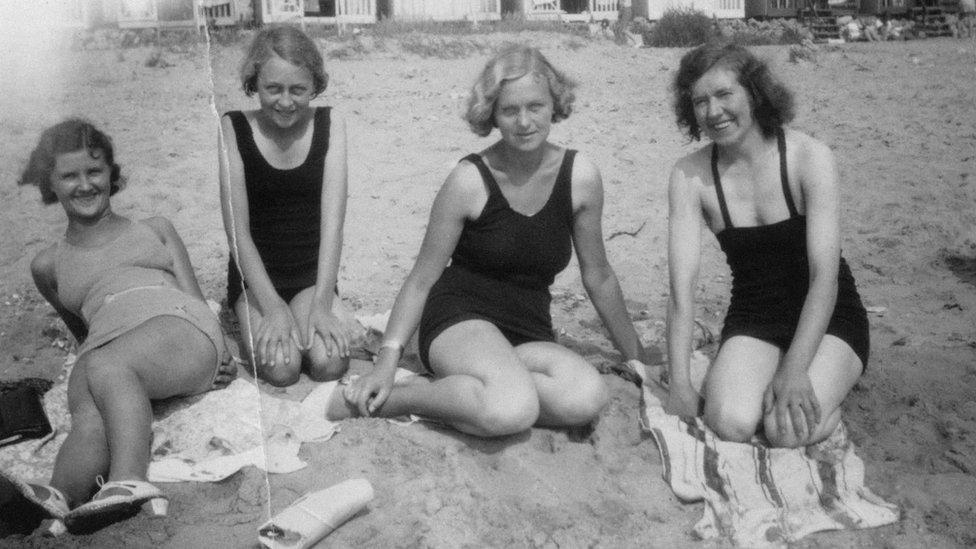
(81, 180)
(523, 112)
(723, 109)
(284, 92)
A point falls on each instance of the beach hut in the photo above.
(340, 12)
(721, 9)
(219, 13)
(278, 11)
(157, 13)
(439, 10)
(563, 10)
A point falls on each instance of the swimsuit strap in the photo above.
(783, 176)
(718, 189)
(486, 175)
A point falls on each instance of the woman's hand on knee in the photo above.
(793, 405)
(278, 333)
(323, 323)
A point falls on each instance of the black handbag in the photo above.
(22, 414)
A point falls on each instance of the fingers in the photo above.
(799, 422)
(769, 401)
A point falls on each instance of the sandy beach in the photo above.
(900, 117)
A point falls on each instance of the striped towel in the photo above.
(755, 495)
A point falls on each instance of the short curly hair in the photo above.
(67, 136)
(771, 101)
(290, 44)
(511, 63)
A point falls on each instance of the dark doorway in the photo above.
(384, 9)
(574, 6)
(320, 8)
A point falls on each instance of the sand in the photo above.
(899, 116)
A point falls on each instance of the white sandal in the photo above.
(44, 497)
(106, 509)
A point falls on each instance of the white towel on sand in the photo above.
(755, 495)
(203, 438)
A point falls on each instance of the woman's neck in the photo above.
(753, 147)
(93, 231)
(283, 137)
(520, 165)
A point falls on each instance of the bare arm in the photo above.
(818, 179)
(684, 260)
(334, 195)
(460, 198)
(321, 320)
(42, 270)
(598, 276)
(790, 395)
(182, 269)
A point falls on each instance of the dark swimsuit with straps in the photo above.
(284, 208)
(503, 265)
(771, 276)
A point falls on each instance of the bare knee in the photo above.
(507, 414)
(731, 423)
(583, 403)
(281, 373)
(321, 367)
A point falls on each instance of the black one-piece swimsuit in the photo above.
(285, 210)
(503, 265)
(771, 277)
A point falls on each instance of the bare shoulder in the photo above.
(811, 159)
(163, 227)
(690, 172)
(42, 266)
(806, 147)
(465, 180)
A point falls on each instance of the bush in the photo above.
(679, 28)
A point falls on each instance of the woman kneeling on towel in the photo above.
(127, 292)
(795, 338)
(506, 220)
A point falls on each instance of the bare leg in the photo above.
(481, 387)
(319, 365)
(571, 391)
(281, 374)
(735, 385)
(163, 357)
(833, 372)
(84, 453)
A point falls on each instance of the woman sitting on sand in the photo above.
(283, 196)
(795, 338)
(127, 292)
(506, 220)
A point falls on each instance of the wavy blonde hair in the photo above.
(511, 63)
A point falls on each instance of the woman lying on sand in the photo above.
(283, 196)
(127, 292)
(795, 338)
(506, 220)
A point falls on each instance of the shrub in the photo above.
(681, 28)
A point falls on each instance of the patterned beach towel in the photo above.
(755, 495)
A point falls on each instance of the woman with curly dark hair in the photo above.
(795, 338)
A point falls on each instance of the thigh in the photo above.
(557, 362)
(571, 391)
(478, 349)
(833, 372)
(737, 379)
(170, 356)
